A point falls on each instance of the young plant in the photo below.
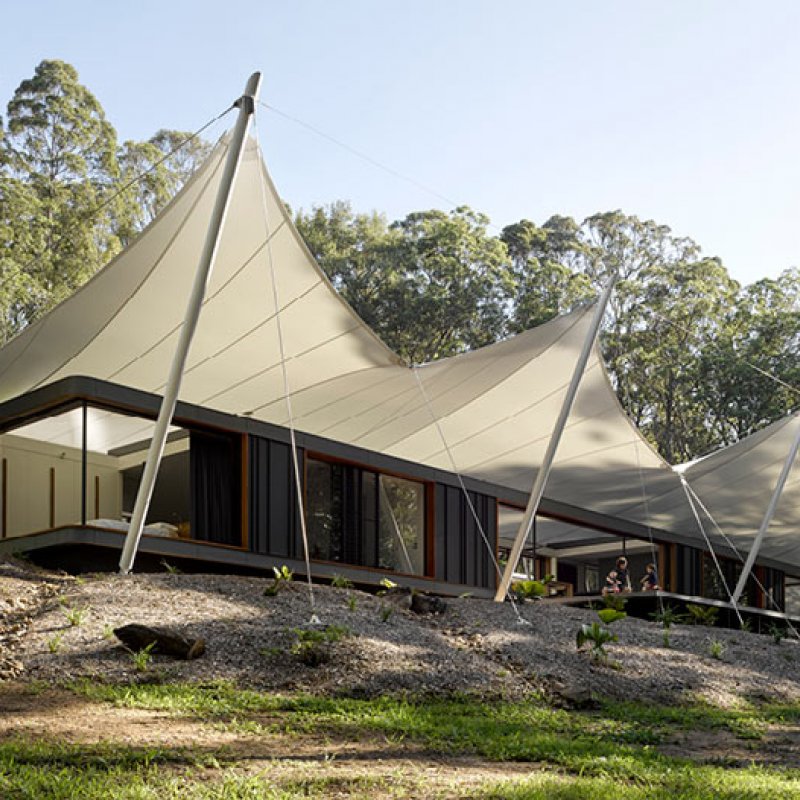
(777, 632)
(746, 625)
(598, 637)
(169, 567)
(340, 582)
(282, 576)
(386, 612)
(351, 602)
(716, 648)
(667, 616)
(313, 647)
(665, 639)
(108, 632)
(142, 658)
(614, 601)
(701, 615)
(54, 644)
(76, 616)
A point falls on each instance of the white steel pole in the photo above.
(246, 105)
(762, 531)
(544, 471)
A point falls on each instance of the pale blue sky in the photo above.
(686, 112)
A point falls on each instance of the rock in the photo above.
(576, 697)
(398, 596)
(427, 604)
(166, 642)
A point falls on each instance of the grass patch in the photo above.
(592, 754)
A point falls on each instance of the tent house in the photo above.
(417, 472)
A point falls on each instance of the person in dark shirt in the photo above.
(618, 580)
(650, 580)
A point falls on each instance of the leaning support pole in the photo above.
(762, 531)
(544, 471)
(246, 105)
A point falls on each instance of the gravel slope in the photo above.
(476, 646)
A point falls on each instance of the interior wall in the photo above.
(28, 490)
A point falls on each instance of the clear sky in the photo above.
(686, 112)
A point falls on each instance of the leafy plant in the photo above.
(282, 576)
(716, 648)
(312, 647)
(746, 625)
(528, 590)
(665, 639)
(172, 570)
(351, 602)
(142, 658)
(609, 615)
(386, 613)
(76, 616)
(108, 632)
(701, 615)
(598, 637)
(340, 582)
(777, 632)
(667, 616)
(614, 601)
(54, 644)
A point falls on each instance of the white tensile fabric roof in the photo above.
(495, 406)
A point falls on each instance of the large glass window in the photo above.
(83, 466)
(364, 518)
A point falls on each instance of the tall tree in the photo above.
(60, 147)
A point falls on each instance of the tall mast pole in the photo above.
(765, 523)
(547, 463)
(246, 105)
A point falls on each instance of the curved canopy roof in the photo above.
(487, 413)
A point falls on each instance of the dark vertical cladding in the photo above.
(689, 570)
(462, 555)
(273, 499)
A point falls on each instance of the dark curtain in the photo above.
(216, 488)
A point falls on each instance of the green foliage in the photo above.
(141, 658)
(172, 570)
(716, 648)
(340, 582)
(528, 590)
(312, 646)
(54, 643)
(701, 615)
(76, 616)
(615, 601)
(665, 639)
(667, 616)
(777, 632)
(609, 615)
(283, 575)
(598, 637)
(351, 602)
(385, 613)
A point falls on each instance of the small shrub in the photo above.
(142, 658)
(282, 576)
(777, 632)
(76, 616)
(386, 613)
(340, 582)
(598, 637)
(351, 602)
(108, 632)
(746, 625)
(54, 644)
(701, 615)
(615, 601)
(169, 567)
(609, 615)
(528, 590)
(667, 616)
(716, 648)
(665, 639)
(313, 647)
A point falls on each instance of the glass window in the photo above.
(402, 525)
(364, 518)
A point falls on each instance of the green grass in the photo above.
(609, 753)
